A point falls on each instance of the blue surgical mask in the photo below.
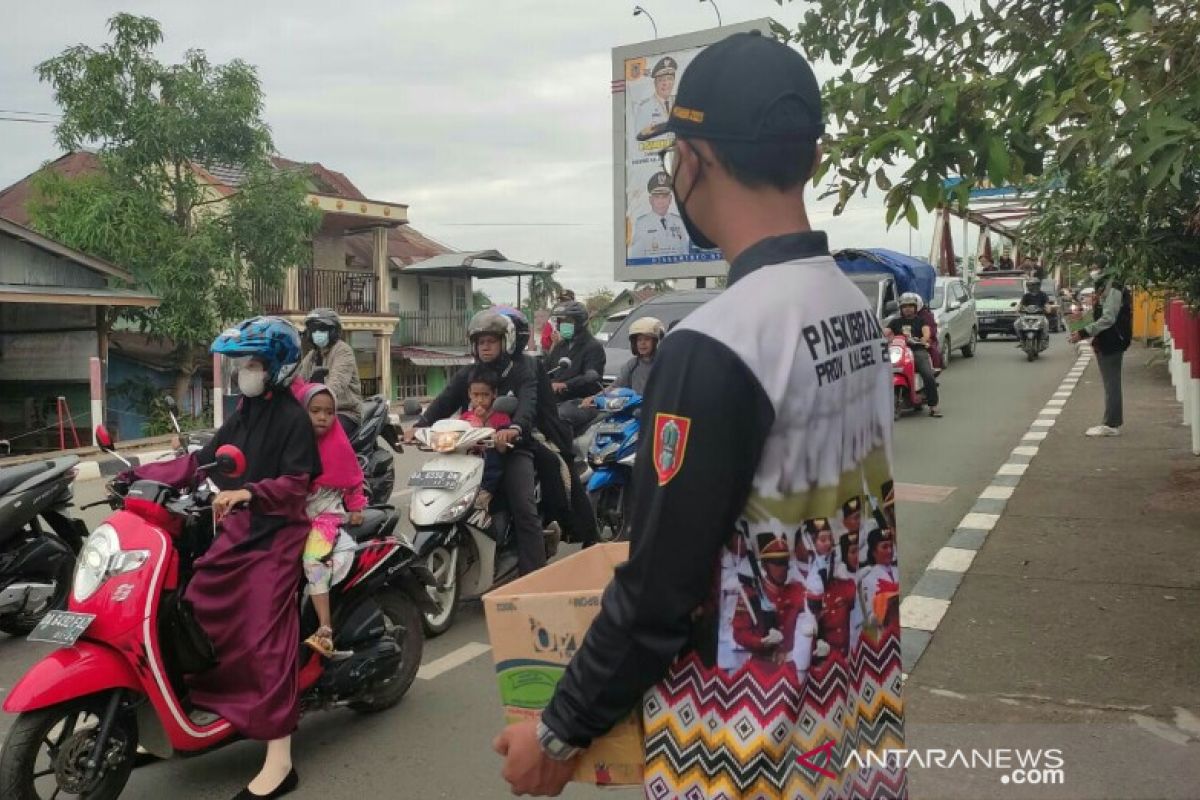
(320, 338)
(566, 330)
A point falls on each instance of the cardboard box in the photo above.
(536, 624)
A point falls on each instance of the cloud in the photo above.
(490, 118)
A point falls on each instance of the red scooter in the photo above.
(127, 642)
(907, 386)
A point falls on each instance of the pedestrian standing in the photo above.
(758, 421)
(1111, 333)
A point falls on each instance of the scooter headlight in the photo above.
(460, 506)
(102, 558)
(895, 354)
(444, 441)
(616, 403)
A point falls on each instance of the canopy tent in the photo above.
(1003, 210)
(479, 264)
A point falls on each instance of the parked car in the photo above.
(954, 309)
(669, 308)
(611, 324)
(996, 302)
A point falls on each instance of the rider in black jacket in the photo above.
(582, 377)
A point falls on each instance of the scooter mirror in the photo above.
(169, 402)
(231, 462)
(505, 405)
(319, 375)
(104, 439)
(412, 408)
(564, 362)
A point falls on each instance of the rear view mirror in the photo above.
(564, 362)
(169, 402)
(104, 439)
(319, 375)
(891, 307)
(505, 405)
(412, 408)
(231, 462)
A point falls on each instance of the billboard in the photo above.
(650, 241)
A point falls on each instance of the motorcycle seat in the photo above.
(375, 521)
(12, 477)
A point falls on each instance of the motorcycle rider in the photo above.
(644, 337)
(582, 378)
(1034, 296)
(911, 327)
(323, 328)
(493, 341)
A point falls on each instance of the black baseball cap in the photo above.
(730, 87)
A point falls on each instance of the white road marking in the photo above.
(453, 659)
(1050, 412)
(1012, 469)
(1044, 423)
(1160, 729)
(1025, 450)
(1063, 393)
(1034, 436)
(1057, 403)
(980, 522)
(997, 493)
(952, 559)
(922, 613)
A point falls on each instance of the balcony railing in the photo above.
(370, 386)
(345, 291)
(437, 329)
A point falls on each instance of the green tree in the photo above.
(544, 288)
(599, 300)
(1055, 94)
(481, 300)
(658, 286)
(152, 208)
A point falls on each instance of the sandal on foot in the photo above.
(322, 641)
(933, 412)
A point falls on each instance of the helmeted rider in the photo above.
(323, 329)
(910, 325)
(494, 341)
(582, 377)
(645, 335)
(1034, 296)
(577, 517)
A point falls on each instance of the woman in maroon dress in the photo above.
(244, 590)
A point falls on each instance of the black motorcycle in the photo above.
(37, 564)
(377, 463)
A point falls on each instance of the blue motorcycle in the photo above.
(610, 456)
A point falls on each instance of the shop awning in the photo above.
(427, 357)
(478, 264)
(67, 295)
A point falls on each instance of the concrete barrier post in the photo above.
(96, 380)
(218, 392)
(1194, 381)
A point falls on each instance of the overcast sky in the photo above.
(490, 118)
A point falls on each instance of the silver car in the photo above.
(954, 309)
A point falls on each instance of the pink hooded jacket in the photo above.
(339, 464)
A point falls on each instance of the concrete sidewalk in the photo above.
(1078, 623)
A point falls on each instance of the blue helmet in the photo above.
(271, 339)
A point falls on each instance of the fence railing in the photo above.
(370, 386)
(441, 329)
(346, 291)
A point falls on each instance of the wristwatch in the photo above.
(554, 747)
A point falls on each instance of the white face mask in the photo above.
(1095, 274)
(320, 339)
(252, 380)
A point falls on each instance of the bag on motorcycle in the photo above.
(186, 644)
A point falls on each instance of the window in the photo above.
(395, 284)
(410, 383)
(939, 295)
(460, 297)
(960, 293)
(423, 295)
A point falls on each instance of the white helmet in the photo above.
(646, 326)
(912, 299)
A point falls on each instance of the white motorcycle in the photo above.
(1033, 331)
(467, 549)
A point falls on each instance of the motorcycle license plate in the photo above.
(434, 479)
(610, 427)
(61, 627)
(988, 320)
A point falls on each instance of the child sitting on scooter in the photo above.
(339, 489)
(482, 391)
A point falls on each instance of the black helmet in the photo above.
(521, 328)
(572, 310)
(1032, 285)
(324, 319)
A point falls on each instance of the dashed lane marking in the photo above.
(456, 658)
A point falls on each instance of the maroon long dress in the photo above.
(245, 588)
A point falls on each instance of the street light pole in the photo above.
(716, 9)
(639, 11)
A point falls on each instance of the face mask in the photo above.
(320, 338)
(252, 381)
(566, 330)
(695, 234)
(1095, 274)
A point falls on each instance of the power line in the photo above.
(30, 113)
(31, 121)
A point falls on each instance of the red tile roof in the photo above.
(15, 199)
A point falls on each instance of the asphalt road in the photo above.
(437, 742)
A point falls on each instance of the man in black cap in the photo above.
(659, 233)
(770, 405)
(654, 111)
